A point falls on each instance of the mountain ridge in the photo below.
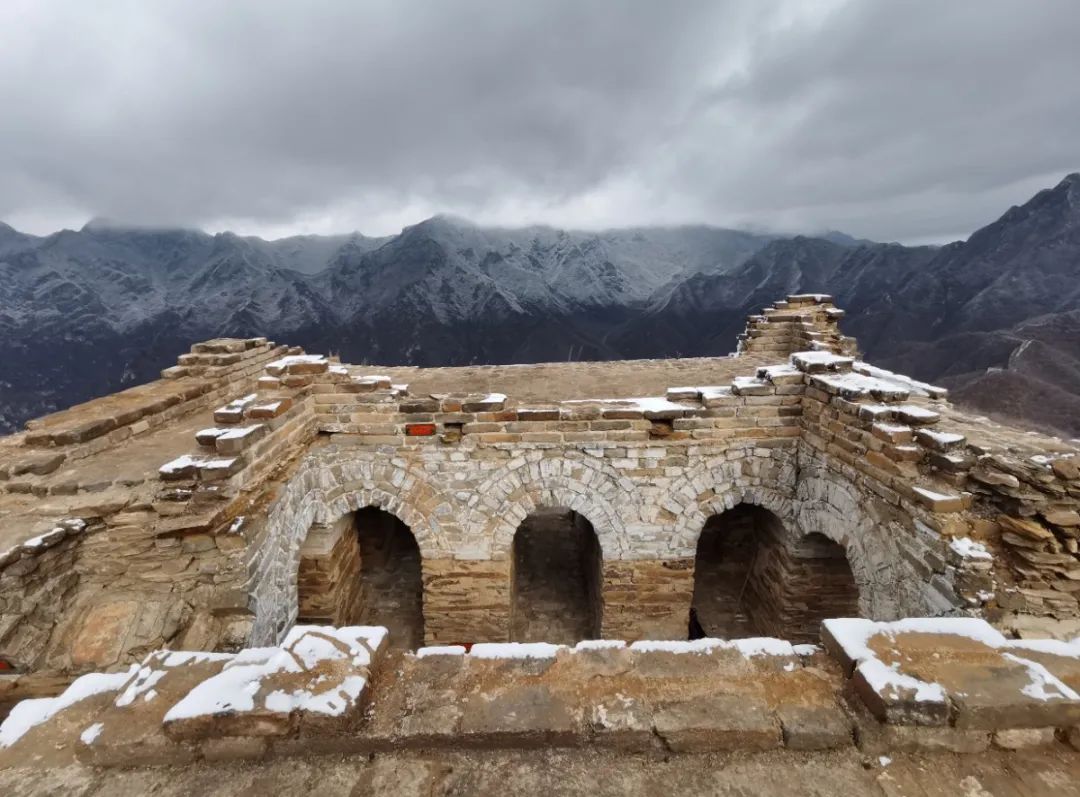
(91, 311)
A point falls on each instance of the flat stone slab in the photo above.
(957, 671)
(814, 727)
(523, 715)
(724, 722)
(131, 733)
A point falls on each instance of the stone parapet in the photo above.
(917, 685)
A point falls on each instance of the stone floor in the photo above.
(572, 380)
(390, 570)
(553, 564)
(1053, 772)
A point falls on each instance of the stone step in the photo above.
(231, 440)
(233, 412)
(191, 467)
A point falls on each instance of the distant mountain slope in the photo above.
(88, 312)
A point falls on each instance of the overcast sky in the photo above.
(910, 121)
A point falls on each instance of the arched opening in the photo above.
(556, 579)
(753, 578)
(365, 569)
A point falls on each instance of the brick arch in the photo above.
(586, 486)
(708, 491)
(831, 506)
(870, 553)
(408, 493)
(321, 493)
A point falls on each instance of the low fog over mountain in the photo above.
(996, 318)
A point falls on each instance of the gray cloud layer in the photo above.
(908, 121)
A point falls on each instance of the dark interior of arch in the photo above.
(556, 579)
(364, 570)
(752, 578)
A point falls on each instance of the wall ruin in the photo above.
(219, 504)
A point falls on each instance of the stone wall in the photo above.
(328, 578)
(466, 498)
(918, 685)
(198, 517)
(646, 476)
(37, 581)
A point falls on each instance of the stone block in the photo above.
(416, 405)
(234, 748)
(815, 727)
(519, 716)
(1021, 738)
(1000, 697)
(716, 724)
(233, 441)
(314, 682)
(265, 410)
(937, 501)
(622, 723)
(538, 414)
(38, 464)
(751, 386)
(916, 414)
(219, 468)
(130, 733)
(875, 738)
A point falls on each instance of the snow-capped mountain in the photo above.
(86, 312)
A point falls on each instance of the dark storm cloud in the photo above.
(891, 120)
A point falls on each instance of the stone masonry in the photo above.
(205, 511)
(923, 685)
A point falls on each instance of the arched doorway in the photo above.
(365, 569)
(556, 579)
(753, 578)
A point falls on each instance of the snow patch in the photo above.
(440, 650)
(891, 683)
(750, 647)
(643, 403)
(31, 713)
(296, 359)
(91, 733)
(967, 548)
(852, 633)
(186, 461)
(933, 496)
(1044, 685)
(305, 648)
(515, 650)
(916, 387)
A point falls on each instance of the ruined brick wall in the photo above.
(803, 322)
(329, 587)
(197, 519)
(647, 501)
